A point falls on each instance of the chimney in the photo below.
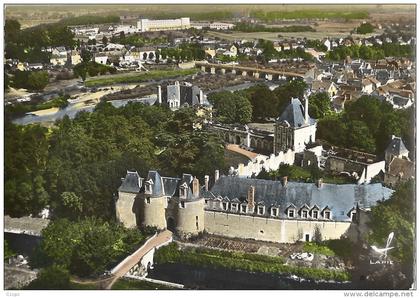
(306, 109)
(251, 198)
(159, 94)
(319, 183)
(284, 182)
(206, 182)
(196, 187)
(216, 176)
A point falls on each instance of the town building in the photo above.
(181, 95)
(277, 211)
(144, 25)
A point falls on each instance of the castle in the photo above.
(231, 206)
(235, 206)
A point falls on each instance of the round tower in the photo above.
(153, 212)
(153, 202)
(190, 217)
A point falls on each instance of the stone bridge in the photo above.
(141, 257)
(264, 73)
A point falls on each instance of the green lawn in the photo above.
(141, 77)
(125, 284)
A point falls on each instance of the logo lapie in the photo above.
(382, 253)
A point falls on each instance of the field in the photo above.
(138, 77)
(30, 15)
(332, 29)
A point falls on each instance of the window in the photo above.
(243, 208)
(304, 214)
(327, 214)
(353, 216)
(224, 206)
(291, 213)
(196, 222)
(274, 211)
(148, 188)
(260, 210)
(315, 214)
(148, 200)
(234, 207)
(307, 237)
(206, 202)
(182, 204)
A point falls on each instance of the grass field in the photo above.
(140, 77)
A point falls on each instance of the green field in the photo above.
(141, 77)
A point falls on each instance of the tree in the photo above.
(51, 278)
(397, 215)
(365, 28)
(86, 56)
(317, 237)
(231, 107)
(319, 105)
(80, 70)
(105, 40)
(37, 80)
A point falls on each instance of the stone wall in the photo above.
(125, 208)
(269, 163)
(270, 229)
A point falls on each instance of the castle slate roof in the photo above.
(294, 114)
(131, 183)
(157, 185)
(339, 198)
(396, 147)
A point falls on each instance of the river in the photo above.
(72, 109)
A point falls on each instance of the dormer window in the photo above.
(274, 211)
(183, 191)
(327, 215)
(291, 213)
(304, 211)
(225, 206)
(148, 186)
(234, 207)
(243, 208)
(315, 212)
(261, 210)
(353, 216)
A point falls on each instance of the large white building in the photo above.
(144, 25)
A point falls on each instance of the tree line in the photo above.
(374, 52)
(367, 125)
(75, 167)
